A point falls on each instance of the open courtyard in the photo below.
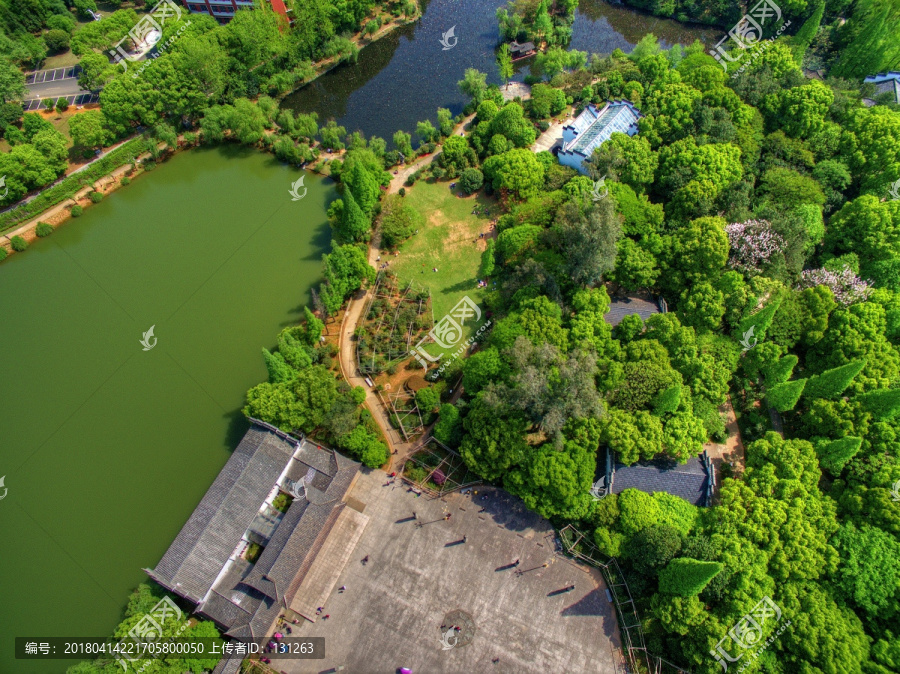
(420, 570)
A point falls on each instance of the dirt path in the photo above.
(732, 450)
(398, 447)
(399, 180)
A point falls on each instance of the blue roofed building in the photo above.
(592, 128)
(886, 83)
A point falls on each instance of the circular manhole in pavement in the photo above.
(457, 630)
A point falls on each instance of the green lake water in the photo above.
(107, 448)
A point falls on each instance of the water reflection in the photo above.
(406, 76)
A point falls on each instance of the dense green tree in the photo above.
(473, 85)
(680, 615)
(695, 253)
(635, 267)
(361, 183)
(641, 218)
(627, 158)
(457, 155)
(883, 404)
(353, 224)
(587, 241)
(510, 122)
(702, 307)
(637, 511)
(651, 549)
(832, 383)
(398, 221)
(448, 428)
(492, 443)
(346, 269)
(799, 112)
(784, 396)
(366, 447)
(869, 572)
(855, 332)
(471, 181)
(555, 482)
(481, 368)
(834, 455)
(517, 172)
(632, 436)
(780, 370)
(687, 577)
(868, 227)
(546, 101)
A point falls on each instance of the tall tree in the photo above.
(504, 64)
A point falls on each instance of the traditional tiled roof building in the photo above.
(693, 481)
(886, 83)
(207, 564)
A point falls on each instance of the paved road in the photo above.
(56, 83)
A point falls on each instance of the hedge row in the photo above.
(71, 185)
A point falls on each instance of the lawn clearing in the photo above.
(448, 241)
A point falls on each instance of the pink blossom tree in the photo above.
(848, 288)
(753, 243)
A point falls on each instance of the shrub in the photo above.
(18, 244)
(780, 371)
(254, 550)
(3, 253)
(832, 383)
(125, 180)
(76, 210)
(687, 577)
(471, 180)
(282, 502)
(883, 403)
(784, 397)
(62, 105)
(834, 455)
(96, 197)
(402, 191)
(43, 229)
(49, 103)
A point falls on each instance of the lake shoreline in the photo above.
(59, 213)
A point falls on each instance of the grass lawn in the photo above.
(63, 60)
(449, 242)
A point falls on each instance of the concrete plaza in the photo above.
(420, 570)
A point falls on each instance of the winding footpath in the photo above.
(398, 447)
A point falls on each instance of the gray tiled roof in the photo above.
(247, 598)
(256, 577)
(229, 665)
(687, 480)
(886, 83)
(199, 552)
(619, 308)
(313, 455)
